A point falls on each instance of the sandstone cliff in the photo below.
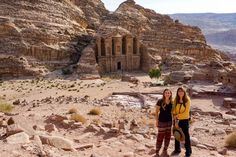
(94, 10)
(181, 50)
(159, 33)
(53, 34)
(44, 30)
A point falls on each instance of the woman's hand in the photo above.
(157, 123)
(176, 117)
(176, 124)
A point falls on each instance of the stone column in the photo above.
(129, 45)
(117, 44)
(98, 42)
(103, 47)
(137, 45)
(130, 51)
(108, 46)
(108, 50)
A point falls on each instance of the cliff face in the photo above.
(54, 33)
(163, 38)
(44, 30)
(94, 10)
(157, 31)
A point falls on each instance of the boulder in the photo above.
(223, 151)
(18, 138)
(128, 78)
(219, 131)
(92, 128)
(50, 128)
(194, 141)
(179, 76)
(10, 121)
(56, 118)
(57, 141)
(129, 154)
(201, 146)
(13, 129)
(84, 147)
(229, 102)
(231, 112)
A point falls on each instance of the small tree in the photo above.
(154, 73)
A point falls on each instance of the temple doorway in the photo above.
(118, 65)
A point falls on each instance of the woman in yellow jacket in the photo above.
(181, 112)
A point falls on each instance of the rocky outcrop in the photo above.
(229, 102)
(183, 68)
(229, 79)
(160, 33)
(182, 49)
(88, 67)
(17, 66)
(94, 11)
(55, 34)
(45, 31)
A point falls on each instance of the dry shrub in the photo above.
(5, 107)
(230, 140)
(95, 111)
(78, 118)
(73, 110)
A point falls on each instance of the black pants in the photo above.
(184, 125)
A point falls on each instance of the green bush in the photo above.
(154, 73)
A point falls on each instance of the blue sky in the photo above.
(181, 6)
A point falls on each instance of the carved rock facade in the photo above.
(118, 52)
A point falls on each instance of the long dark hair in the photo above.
(185, 97)
(163, 100)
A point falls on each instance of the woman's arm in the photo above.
(157, 114)
(187, 110)
(174, 115)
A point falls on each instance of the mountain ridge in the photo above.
(218, 28)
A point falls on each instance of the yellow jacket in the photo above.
(181, 111)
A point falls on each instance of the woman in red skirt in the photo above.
(164, 122)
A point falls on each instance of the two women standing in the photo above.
(177, 110)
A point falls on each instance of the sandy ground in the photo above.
(45, 97)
